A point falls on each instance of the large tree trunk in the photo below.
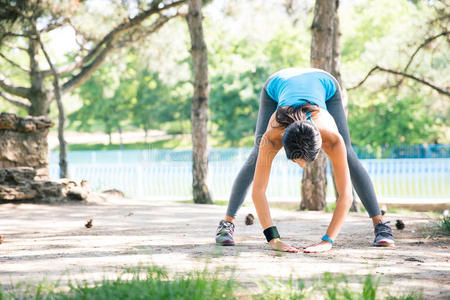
(336, 72)
(314, 183)
(199, 108)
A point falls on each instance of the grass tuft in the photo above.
(445, 224)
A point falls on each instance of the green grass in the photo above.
(171, 143)
(444, 224)
(330, 207)
(437, 228)
(155, 283)
(149, 283)
(182, 142)
(329, 286)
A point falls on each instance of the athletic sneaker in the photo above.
(383, 235)
(224, 233)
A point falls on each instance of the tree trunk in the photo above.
(199, 108)
(63, 172)
(314, 183)
(336, 72)
(146, 136)
(120, 136)
(37, 96)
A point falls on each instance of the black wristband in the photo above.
(271, 233)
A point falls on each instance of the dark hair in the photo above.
(301, 139)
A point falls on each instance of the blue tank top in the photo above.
(295, 87)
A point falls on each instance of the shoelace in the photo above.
(227, 226)
(383, 229)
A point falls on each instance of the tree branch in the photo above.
(16, 102)
(404, 74)
(100, 51)
(13, 63)
(14, 90)
(129, 24)
(14, 46)
(153, 28)
(53, 26)
(421, 80)
(364, 80)
(426, 42)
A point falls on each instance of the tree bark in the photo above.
(336, 72)
(120, 136)
(314, 183)
(199, 108)
(38, 95)
(63, 168)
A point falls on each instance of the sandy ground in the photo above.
(50, 242)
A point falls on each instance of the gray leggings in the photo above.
(360, 179)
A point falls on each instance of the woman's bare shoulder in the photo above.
(274, 131)
(327, 127)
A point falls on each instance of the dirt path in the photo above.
(44, 241)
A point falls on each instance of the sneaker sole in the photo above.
(225, 243)
(384, 244)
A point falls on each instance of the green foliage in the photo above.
(106, 100)
(234, 102)
(125, 93)
(391, 120)
(330, 207)
(148, 88)
(154, 103)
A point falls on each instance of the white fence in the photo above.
(392, 178)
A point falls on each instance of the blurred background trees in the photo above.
(147, 85)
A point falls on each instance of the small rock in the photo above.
(249, 219)
(400, 225)
(413, 259)
(77, 193)
(88, 224)
(114, 193)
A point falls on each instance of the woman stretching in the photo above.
(301, 110)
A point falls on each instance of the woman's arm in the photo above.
(336, 151)
(338, 156)
(268, 149)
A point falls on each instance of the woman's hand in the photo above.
(278, 245)
(320, 247)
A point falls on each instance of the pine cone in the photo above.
(400, 225)
(88, 224)
(249, 219)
